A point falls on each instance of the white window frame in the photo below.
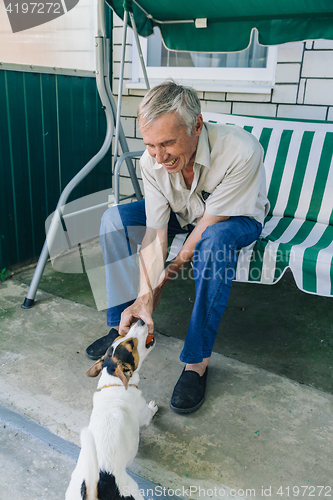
(64, 45)
(235, 80)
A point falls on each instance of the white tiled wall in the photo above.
(303, 89)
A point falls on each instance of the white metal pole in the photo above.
(120, 91)
(56, 221)
(142, 61)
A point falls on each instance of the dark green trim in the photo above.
(50, 127)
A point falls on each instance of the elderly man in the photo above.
(201, 179)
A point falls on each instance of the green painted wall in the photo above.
(50, 127)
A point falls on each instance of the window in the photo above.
(251, 70)
(67, 43)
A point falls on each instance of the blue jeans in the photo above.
(214, 261)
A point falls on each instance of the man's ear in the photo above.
(198, 125)
(96, 368)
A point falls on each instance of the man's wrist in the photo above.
(175, 266)
(145, 295)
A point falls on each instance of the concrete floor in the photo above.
(258, 433)
(30, 468)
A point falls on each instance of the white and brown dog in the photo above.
(110, 442)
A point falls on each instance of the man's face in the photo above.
(167, 141)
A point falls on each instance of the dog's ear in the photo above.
(124, 373)
(95, 369)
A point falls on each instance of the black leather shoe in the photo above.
(189, 392)
(98, 348)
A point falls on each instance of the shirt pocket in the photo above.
(178, 203)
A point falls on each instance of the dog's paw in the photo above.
(153, 407)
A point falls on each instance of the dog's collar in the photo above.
(117, 385)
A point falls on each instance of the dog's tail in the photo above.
(90, 463)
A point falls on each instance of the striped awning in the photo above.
(298, 232)
(224, 26)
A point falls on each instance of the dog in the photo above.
(110, 443)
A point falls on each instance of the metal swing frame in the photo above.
(113, 126)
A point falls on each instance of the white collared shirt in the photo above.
(229, 179)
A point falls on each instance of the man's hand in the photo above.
(142, 308)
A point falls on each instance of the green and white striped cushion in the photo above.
(298, 231)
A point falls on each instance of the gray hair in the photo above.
(169, 97)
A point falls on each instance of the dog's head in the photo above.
(126, 354)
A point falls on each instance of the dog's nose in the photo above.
(140, 322)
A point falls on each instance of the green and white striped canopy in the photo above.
(226, 25)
